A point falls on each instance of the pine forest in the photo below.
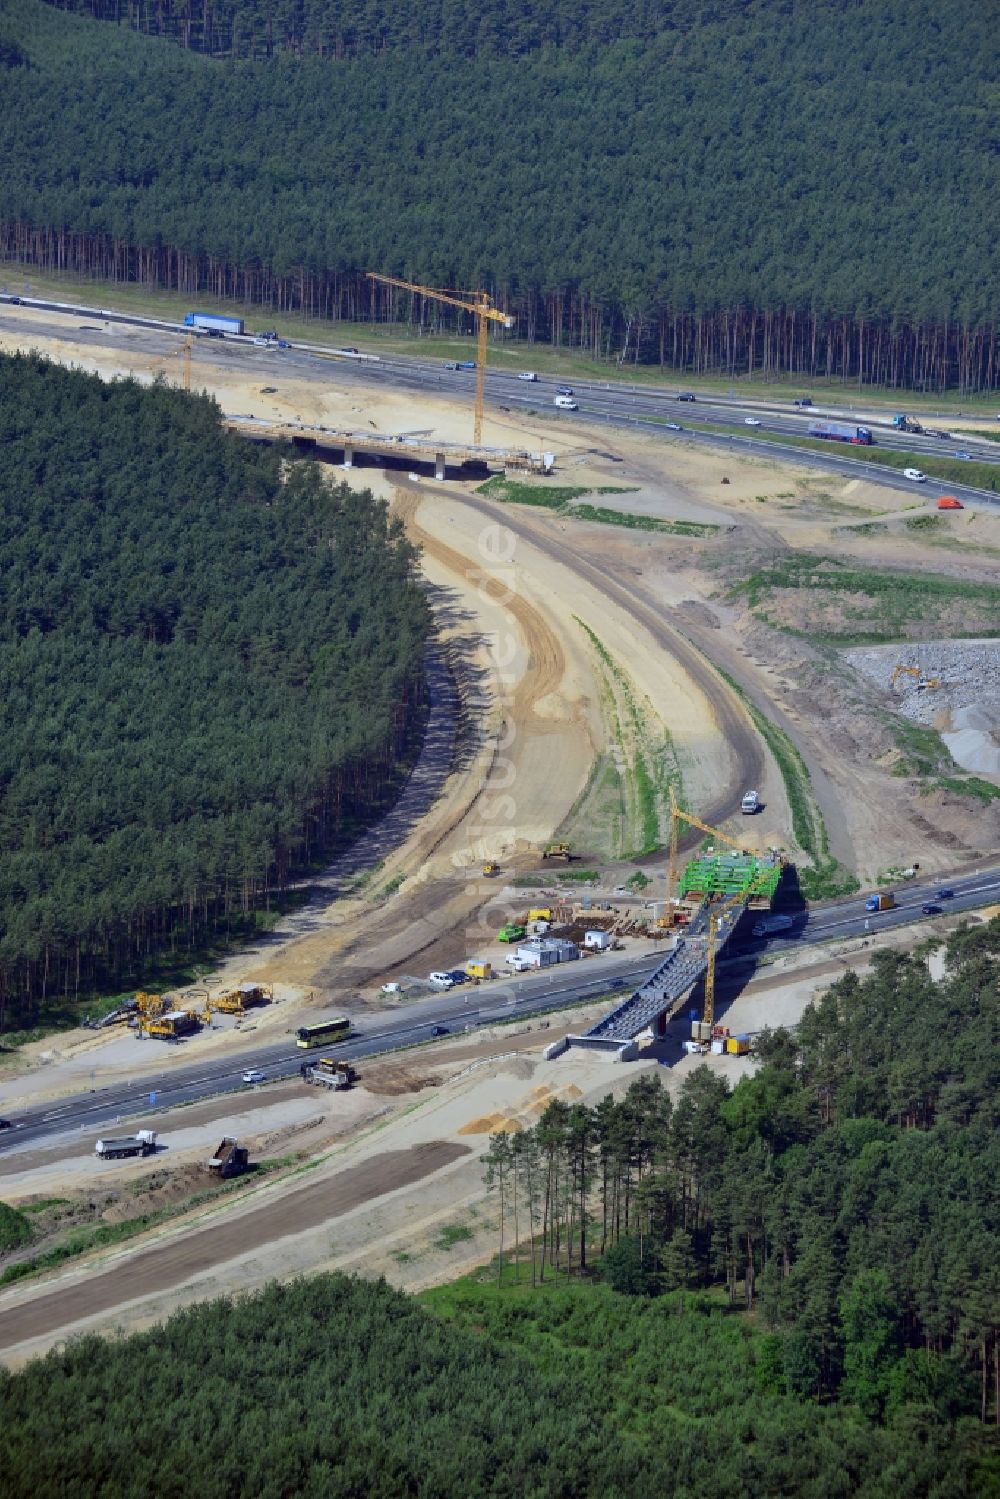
(210, 667)
(710, 185)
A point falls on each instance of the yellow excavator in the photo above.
(914, 671)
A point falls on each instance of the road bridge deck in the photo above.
(667, 987)
(389, 445)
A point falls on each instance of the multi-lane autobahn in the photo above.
(617, 404)
(466, 1008)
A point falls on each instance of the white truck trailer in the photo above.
(143, 1142)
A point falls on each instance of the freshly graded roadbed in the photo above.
(169, 1264)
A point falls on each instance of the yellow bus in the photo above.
(327, 1030)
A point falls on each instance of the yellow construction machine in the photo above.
(914, 671)
(490, 869)
(237, 1001)
(557, 851)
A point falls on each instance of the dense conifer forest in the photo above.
(790, 1289)
(845, 1193)
(209, 666)
(724, 186)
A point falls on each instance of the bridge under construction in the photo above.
(717, 890)
(406, 449)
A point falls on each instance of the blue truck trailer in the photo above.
(841, 432)
(214, 322)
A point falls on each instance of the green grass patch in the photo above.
(15, 1229)
(44, 1205)
(452, 1234)
(828, 878)
(637, 881)
(983, 791)
(897, 598)
(923, 751)
(579, 876)
(560, 499)
(632, 522)
(923, 523)
(552, 496)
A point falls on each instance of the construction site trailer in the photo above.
(597, 941)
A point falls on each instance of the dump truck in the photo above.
(903, 423)
(750, 803)
(329, 1072)
(143, 1142)
(230, 1159)
(174, 1024)
(883, 901)
(214, 324)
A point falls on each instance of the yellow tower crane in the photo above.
(677, 816)
(480, 304)
(716, 912)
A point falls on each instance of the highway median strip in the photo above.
(975, 473)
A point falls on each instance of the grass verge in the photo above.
(828, 878)
(560, 499)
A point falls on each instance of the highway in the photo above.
(468, 1009)
(631, 405)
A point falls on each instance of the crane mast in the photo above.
(480, 304)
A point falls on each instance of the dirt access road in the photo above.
(144, 1271)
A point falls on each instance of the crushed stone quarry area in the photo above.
(952, 686)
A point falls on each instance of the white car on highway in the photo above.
(915, 475)
(527, 375)
(751, 421)
(253, 1076)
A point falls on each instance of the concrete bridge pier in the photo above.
(439, 465)
(348, 455)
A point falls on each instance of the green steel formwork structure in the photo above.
(732, 874)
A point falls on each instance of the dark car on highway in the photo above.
(685, 395)
(930, 909)
(945, 893)
(802, 401)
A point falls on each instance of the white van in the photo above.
(915, 475)
(441, 980)
(565, 403)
